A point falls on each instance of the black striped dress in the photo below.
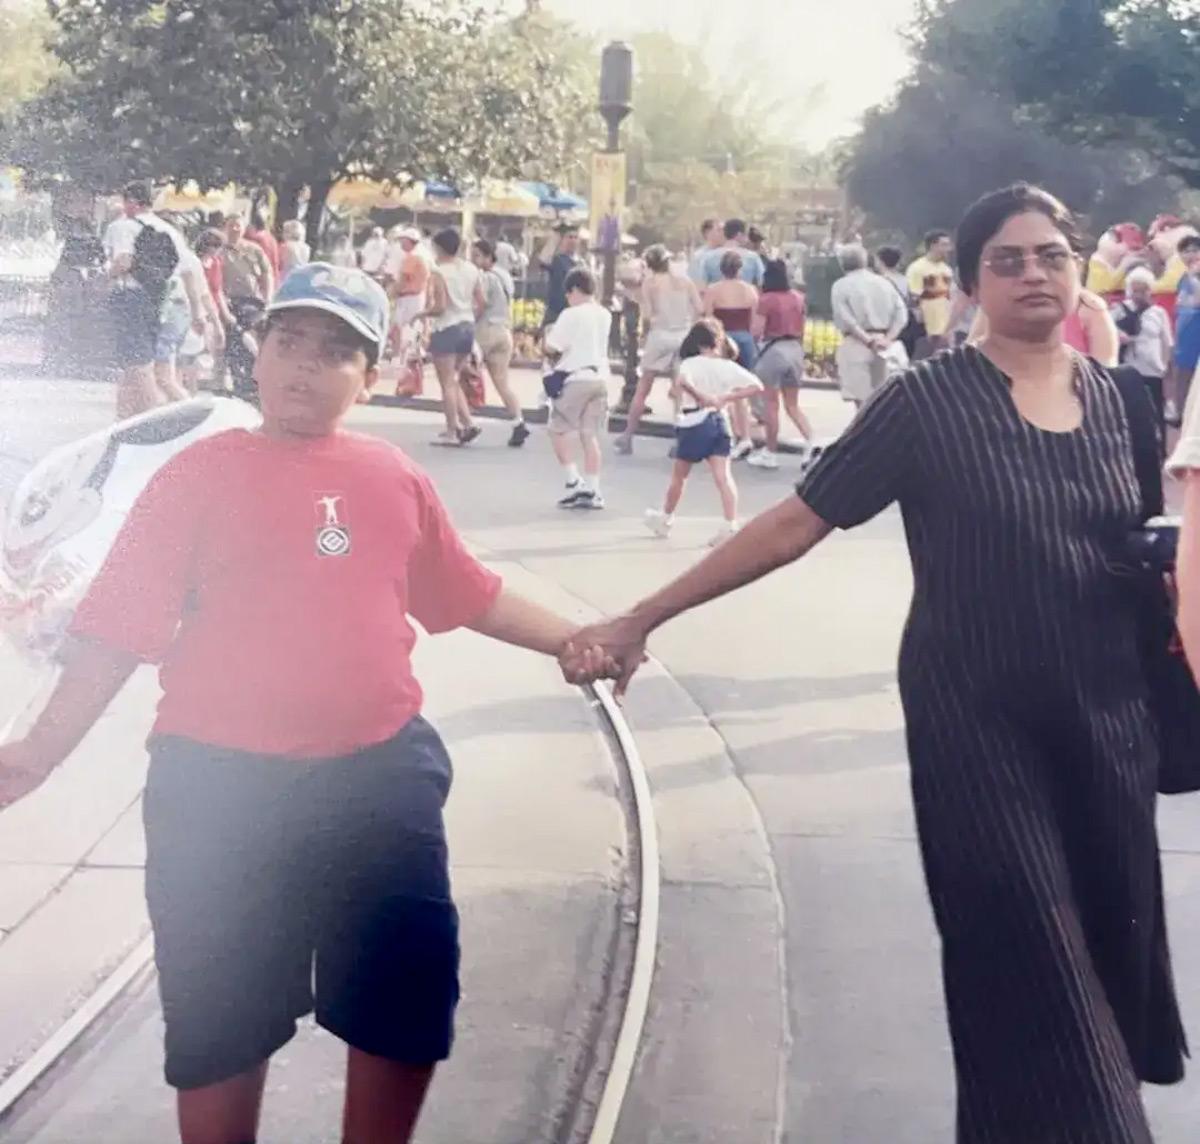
(1032, 756)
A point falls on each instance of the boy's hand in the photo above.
(583, 663)
(21, 771)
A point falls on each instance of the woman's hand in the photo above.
(619, 644)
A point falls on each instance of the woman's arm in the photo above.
(777, 537)
(697, 302)
(1104, 344)
(1188, 573)
(709, 302)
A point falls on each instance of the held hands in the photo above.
(613, 649)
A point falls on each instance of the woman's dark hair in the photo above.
(775, 277)
(486, 249)
(369, 348)
(986, 216)
(890, 256)
(1188, 242)
(731, 264)
(658, 258)
(448, 241)
(706, 334)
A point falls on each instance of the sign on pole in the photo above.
(608, 200)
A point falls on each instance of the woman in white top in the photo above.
(455, 298)
(671, 303)
(708, 384)
(1144, 330)
(294, 251)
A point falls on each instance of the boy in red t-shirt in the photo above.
(293, 807)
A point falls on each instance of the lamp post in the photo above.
(616, 102)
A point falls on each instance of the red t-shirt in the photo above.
(214, 275)
(273, 582)
(269, 245)
(783, 312)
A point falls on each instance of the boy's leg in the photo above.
(223, 1113)
(387, 950)
(383, 1099)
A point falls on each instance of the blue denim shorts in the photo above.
(696, 443)
(278, 887)
(458, 340)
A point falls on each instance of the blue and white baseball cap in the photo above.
(343, 291)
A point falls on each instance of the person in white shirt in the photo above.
(709, 381)
(294, 251)
(871, 316)
(374, 253)
(577, 347)
(150, 324)
(1144, 333)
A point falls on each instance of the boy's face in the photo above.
(310, 369)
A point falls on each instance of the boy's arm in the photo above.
(93, 674)
(513, 619)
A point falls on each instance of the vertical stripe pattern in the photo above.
(1033, 759)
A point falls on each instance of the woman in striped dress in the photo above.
(1033, 757)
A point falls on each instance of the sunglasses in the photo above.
(1010, 261)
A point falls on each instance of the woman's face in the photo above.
(1028, 278)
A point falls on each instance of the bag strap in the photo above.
(1144, 433)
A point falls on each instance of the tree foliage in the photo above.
(26, 63)
(293, 93)
(1090, 98)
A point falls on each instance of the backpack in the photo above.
(155, 258)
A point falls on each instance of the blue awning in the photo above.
(552, 198)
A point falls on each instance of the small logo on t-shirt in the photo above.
(333, 533)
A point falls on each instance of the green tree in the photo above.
(1094, 71)
(921, 161)
(294, 94)
(26, 63)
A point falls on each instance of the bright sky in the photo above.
(832, 58)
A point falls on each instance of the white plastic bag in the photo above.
(63, 518)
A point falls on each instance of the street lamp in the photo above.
(616, 102)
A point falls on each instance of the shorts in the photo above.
(581, 408)
(136, 323)
(747, 350)
(406, 308)
(781, 364)
(496, 344)
(660, 355)
(259, 868)
(696, 443)
(457, 340)
(173, 329)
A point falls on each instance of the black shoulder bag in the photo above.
(1173, 696)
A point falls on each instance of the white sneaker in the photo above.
(742, 450)
(727, 530)
(658, 523)
(763, 459)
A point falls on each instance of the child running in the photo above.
(708, 382)
(296, 854)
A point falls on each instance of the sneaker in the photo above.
(520, 435)
(727, 530)
(742, 450)
(447, 441)
(574, 491)
(583, 499)
(1171, 415)
(624, 446)
(658, 523)
(471, 433)
(763, 459)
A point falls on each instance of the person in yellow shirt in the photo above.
(931, 281)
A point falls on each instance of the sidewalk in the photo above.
(536, 838)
